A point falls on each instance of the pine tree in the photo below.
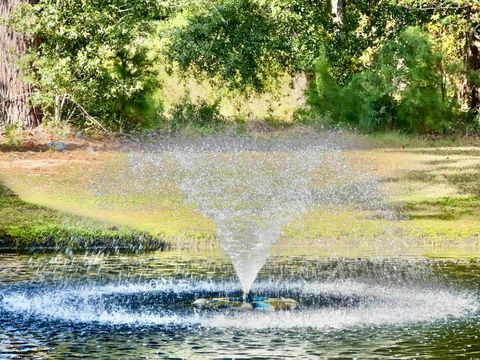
(15, 105)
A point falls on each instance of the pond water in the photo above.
(139, 306)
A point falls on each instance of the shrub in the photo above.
(405, 89)
(92, 65)
(14, 135)
(203, 115)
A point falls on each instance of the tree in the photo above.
(405, 89)
(15, 93)
(461, 18)
(246, 42)
(93, 66)
(237, 41)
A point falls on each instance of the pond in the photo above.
(140, 306)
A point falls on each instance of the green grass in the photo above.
(439, 194)
(447, 208)
(467, 182)
(395, 139)
(435, 191)
(341, 223)
(26, 227)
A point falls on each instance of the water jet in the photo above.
(252, 189)
(189, 303)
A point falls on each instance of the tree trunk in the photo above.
(338, 8)
(15, 104)
(58, 108)
(472, 88)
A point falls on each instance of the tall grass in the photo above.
(281, 103)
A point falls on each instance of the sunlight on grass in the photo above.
(336, 223)
(433, 192)
(279, 103)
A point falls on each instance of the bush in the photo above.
(93, 66)
(324, 95)
(203, 115)
(405, 89)
(14, 135)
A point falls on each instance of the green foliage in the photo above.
(237, 41)
(202, 115)
(14, 135)
(455, 24)
(91, 61)
(244, 43)
(427, 101)
(324, 94)
(96, 63)
(366, 25)
(405, 89)
(304, 25)
(364, 102)
(362, 83)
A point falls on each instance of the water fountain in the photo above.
(141, 304)
(250, 189)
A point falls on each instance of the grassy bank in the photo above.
(433, 188)
(26, 227)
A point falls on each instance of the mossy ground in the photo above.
(27, 227)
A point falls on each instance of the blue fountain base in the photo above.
(257, 303)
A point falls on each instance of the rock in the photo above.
(224, 303)
(57, 146)
(200, 302)
(282, 303)
(246, 306)
(79, 135)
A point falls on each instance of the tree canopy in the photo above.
(409, 64)
(92, 59)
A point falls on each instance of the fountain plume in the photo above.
(251, 189)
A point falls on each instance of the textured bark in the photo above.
(15, 104)
(472, 89)
(338, 9)
(469, 89)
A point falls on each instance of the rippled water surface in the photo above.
(139, 306)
